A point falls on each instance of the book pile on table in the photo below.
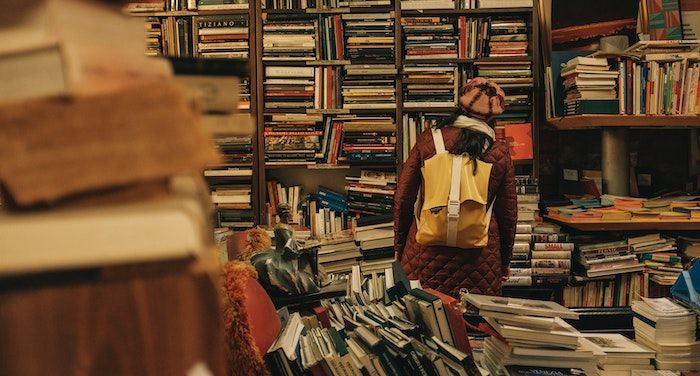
(589, 85)
(660, 257)
(531, 333)
(367, 140)
(375, 237)
(504, 37)
(293, 139)
(669, 329)
(429, 38)
(619, 355)
(414, 332)
(222, 36)
(337, 252)
(369, 86)
(430, 85)
(607, 258)
(287, 39)
(369, 36)
(289, 87)
(371, 193)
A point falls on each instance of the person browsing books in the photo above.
(455, 207)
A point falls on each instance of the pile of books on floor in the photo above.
(589, 85)
(531, 333)
(430, 85)
(660, 257)
(369, 86)
(222, 36)
(618, 355)
(367, 140)
(528, 201)
(332, 44)
(430, 37)
(414, 124)
(504, 37)
(375, 237)
(371, 193)
(669, 329)
(607, 258)
(337, 252)
(369, 36)
(293, 139)
(286, 39)
(289, 87)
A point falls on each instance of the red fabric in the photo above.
(264, 322)
(449, 269)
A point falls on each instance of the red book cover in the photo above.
(462, 37)
(339, 48)
(454, 316)
(322, 315)
(519, 136)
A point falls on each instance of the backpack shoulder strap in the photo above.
(438, 141)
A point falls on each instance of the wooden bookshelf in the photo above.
(632, 225)
(641, 121)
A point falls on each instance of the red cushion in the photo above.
(262, 316)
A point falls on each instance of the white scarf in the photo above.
(476, 125)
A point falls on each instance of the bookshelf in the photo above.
(262, 57)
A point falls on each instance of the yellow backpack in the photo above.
(453, 209)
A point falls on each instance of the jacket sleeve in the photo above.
(405, 198)
(506, 208)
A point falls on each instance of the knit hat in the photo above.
(482, 98)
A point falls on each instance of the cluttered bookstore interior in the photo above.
(350, 187)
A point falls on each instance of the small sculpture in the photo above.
(289, 267)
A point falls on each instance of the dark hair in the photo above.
(470, 143)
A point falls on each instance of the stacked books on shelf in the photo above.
(289, 87)
(367, 140)
(509, 75)
(430, 4)
(369, 86)
(177, 38)
(375, 237)
(531, 333)
(222, 36)
(244, 95)
(607, 258)
(327, 213)
(611, 291)
(660, 257)
(414, 124)
(504, 37)
(589, 86)
(327, 91)
(369, 36)
(467, 42)
(619, 355)
(371, 193)
(430, 37)
(232, 194)
(332, 41)
(293, 139)
(337, 252)
(669, 329)
(430, 85)
(154, 37)
(289, 38)
(278, 194)
(173, 5)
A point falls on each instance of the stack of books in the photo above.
(689, 248)
(235, 150)
(289, 87)
(322, 221)
(375, 237)
(177, 38)
(332, 41)
(430, 4)
(371, 193)
(610, 291)
(619, 355)
(589, 85)
(293, 139)
(414, 124)
(232, 195)
(327, 198)
(528, 201)
(154, 37)
(369, 86)
(607, 258)
(222, 36)
(532, 333)
(660, 257)
(669, 329)
(504, 37)
(337, 252)
(289, 39)
(279, 194)
(244, 95)
(549, 272)
(508, 75)
(429, 38)
(430, 85)
(369, 36)
(368, 140)
(468, 31)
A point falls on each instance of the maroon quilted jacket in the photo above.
(450, 269)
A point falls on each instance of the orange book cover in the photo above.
(519, 136)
